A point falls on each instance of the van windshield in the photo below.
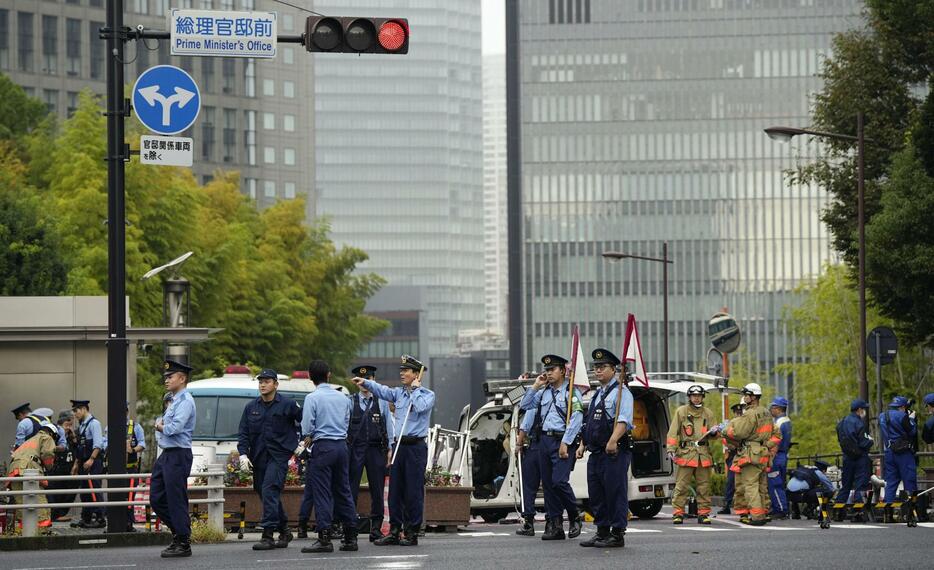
(218, 417)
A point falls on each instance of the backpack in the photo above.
(847, 444)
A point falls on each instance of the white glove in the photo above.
(911, 414)
(671, 457)
(245, 464)
(300, 449)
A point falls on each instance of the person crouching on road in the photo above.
(266, 440)
(325, 418)
(688, 446)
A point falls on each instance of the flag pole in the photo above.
(405, 420)
(574, 350)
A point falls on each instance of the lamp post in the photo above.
(664, 260)
(785, 134)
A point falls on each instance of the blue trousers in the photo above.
(899, 467)
(730, 484)
(608, 488)
(331, 483)
(372, 458)
(87, 513)
(268, 481)
(407, 485)
(855, 478)
(168, 493)
(556, 472)
(531, 478)
(776, 480)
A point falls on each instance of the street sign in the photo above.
(887, 345)
(165, 151)
(166, 99)
(230, 34)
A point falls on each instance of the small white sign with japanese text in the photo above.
(165, 151)
(231, 34)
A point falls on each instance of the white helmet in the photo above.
(752, 389)
(50, 427)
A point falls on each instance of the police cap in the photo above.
(21, 408)
(898, 402)
(929, 399)
(411, 363)
(267, 373)
(736, 407)
(779, 402)
(859, 404)
(172, 366)
(80, 404)
(553, 360)
(604, 356)
(822, 465)
(364, 371)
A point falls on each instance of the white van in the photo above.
(493, 469)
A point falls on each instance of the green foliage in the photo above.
(203, 532)
(19, 113)
(826, 329)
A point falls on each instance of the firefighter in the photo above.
(748, 434)
(688, 446)
(37, 452)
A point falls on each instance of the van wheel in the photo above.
(646, 509)
(492, 517)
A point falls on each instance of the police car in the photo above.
(493, 467)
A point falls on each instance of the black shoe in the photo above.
(337, 531)
(758, 522)
(349, 542)
(323, 544)
(554, 529)
(527, 528)
(410, 536)
(603, 532)
(779, 516)
(302, 529)
(724, 511)
(616, 539)
(266, 542)
(285, 537)
(376, 525)
(180, 548)
(391, 539)
(575, 524)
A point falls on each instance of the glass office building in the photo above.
(399, 158)
(642, 122)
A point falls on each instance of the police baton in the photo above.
(405, 419)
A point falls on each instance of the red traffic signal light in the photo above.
(356, 35)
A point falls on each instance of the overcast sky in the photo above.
(494, 26)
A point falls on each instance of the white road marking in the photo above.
(481, 534)
(850, 526)
(707, 529)
(77, 567)
(388, 557)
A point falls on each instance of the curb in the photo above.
(84, 541)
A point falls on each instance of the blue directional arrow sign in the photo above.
(166, 99)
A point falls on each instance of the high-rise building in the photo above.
(494, 192)
(642, 123)
(399, 157)
(255, 112)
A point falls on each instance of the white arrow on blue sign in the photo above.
(166, 99)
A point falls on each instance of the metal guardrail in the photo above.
(31, 491)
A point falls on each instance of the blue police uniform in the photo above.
(26, 428)
(855, 444)
(407, 473)
(607, 474)
(806, 483)
(268, 435)
(927, 433)
(899, 432)
(325, 418)
(168, 493)
(531, 472)
(778, 472)
(368, 437)
(551, 421)
(90, 436)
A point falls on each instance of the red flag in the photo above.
(632, 351)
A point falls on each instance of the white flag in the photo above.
(632, 351)
(581, 381)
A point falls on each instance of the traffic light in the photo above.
(357, 35)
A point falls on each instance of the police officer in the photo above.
(27, 423)
(688, 447)
(557, 451)
(88, 461)
(64, 459)
(730, 489)
(413, 405)
(899, 436)
(169, 484)
(37, 452)
(748, 435)
(267, 437)
(527, 444)
(805, 485)
(325, 418)
(368, 437)
(608, 439)
(855, 443)
(776, 477)
(928, 433)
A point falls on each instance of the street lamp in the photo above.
(785, 134)
(664, 261)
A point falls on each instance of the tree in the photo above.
(19, 113)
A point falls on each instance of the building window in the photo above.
(288, 55)
(163, 53)
(73, 46)
(249, 76)
(289, 190)
(247, 4)
(288, 123)
(207, 133)
(288, 22)
(269, 155)
(25, 45)
(249, 136)
(288, 89)
(72, 97)
(207, 74)
(269, 188)
(288, 156)
(269, 87)
(96, 3)
(251, 187)
(230, 134)
(97, 50)
(269, 121)
(227, 5)
(72, 1)
(50, 44)
(207, 4)
(160, 7)
(141, 6)
(4, 39)
(142, 58)
(50, 98)
(228, 74)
